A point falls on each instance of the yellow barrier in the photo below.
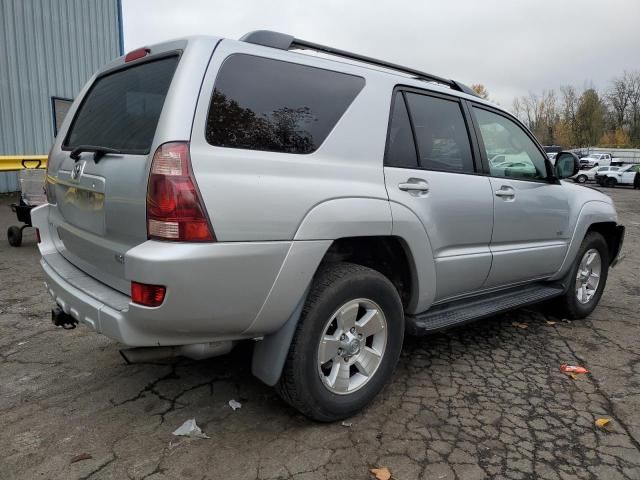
(18, 162)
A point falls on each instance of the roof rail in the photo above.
(283, 41)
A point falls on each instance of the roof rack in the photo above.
(283, 41)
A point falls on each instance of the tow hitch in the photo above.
(61, 319)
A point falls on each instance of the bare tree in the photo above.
(569, 108)
(619, 97)
(634, 106)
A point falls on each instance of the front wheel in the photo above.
(588, 277)
(581, 178)
(346, 345)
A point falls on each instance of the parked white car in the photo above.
(623, 176)
(595, 160)
(590, 175)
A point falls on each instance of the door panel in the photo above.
(456, 213)
(531, 215)
(430, 170)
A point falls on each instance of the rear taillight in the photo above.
(174, 208)
(147, 295)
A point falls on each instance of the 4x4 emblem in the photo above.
(77, 170)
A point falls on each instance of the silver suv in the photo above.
(207, 191)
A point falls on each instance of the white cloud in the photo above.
(512, 46)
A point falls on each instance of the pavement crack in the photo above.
(99, 468)
(610, 405)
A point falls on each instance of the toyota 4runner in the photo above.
(206, 191)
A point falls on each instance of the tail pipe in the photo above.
(61, 319)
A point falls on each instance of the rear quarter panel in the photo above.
(256, 195)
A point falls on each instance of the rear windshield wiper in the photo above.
(98, 152)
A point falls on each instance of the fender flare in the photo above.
(409, 228)
(324, 223)
(594, 211)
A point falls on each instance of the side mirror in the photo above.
(567, 165)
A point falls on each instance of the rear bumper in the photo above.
(215, 292)
(196, 309)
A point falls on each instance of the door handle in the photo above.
(505, 192)
(414, 185)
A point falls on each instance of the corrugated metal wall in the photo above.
(48, 48)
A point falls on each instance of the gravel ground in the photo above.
(481, 401)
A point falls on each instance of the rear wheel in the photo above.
(346, 345)
(588, 277)
(610, 182)
(581, 178)
(14, 235)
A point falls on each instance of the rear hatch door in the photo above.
(99, 201)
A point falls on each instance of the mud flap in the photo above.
(271, 352)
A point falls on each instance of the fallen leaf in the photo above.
(573, 369)
(234, 404)
(550, 322)
(347, 424)
(602, 422)
(381, 473)
(82, 456)
(520, 325)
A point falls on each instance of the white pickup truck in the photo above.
(595, 160)
(622, 176)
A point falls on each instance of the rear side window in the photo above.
(121, 109)
(441, 133)
(265, 104)
(401, 149)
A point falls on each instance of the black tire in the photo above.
(581, 178)
(334, 285)
(568, 304)
(610, 182)
(14, 235)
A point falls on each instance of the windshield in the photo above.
(121, 110)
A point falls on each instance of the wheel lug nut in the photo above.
(343, 336)
(353, 330)
(360, 336)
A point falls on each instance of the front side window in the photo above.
(510, 151)
(441, 133)
(264, 104)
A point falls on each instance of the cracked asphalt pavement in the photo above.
(486, 400)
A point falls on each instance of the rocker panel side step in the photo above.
(455, 313)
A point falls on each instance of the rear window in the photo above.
(122, 108)
(265, 104)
